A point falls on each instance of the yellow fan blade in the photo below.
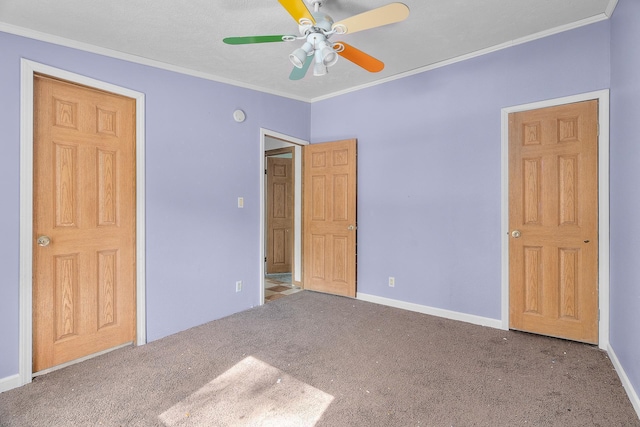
(297, 9)
(360, 58)
(389, 14)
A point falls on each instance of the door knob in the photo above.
(43, 240)
(515, 234)
(351, 227)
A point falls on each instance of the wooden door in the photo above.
(329, 193)
(84, 201)
(279, 214)
(553, 221)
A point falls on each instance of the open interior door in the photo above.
(329, 193)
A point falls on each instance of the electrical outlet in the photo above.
(392, 281)
(240, 202)
(238, 285)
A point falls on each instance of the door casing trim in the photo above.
(603, 203)
(27, 70)
(264, 133)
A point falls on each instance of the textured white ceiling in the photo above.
(188, 34)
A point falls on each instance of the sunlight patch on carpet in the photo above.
(251, 393)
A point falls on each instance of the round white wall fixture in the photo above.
(239, 116)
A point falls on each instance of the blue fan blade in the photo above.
(299, 73)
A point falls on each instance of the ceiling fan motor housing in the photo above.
(316, 38)
(323, 24)
(323, 21)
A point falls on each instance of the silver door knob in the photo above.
(515, 234)
(351, 227)
(43, 241)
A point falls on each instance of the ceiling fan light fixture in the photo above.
(329, 56)
(299, 56)
(318, 27)
(319, 67)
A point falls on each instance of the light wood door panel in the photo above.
(279, 214)
(329, 190)
(553, 205)
(84, 201)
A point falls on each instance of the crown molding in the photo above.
(461, 58)
(611, 7)
(86, 47)
(32, 34)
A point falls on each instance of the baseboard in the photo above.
(624, 379)
(447, 314)
(8, 383)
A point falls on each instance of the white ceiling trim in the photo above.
(522, 40)
(611, 7)
(24, 32)
(86, 47)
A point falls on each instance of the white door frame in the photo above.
(264, 133)
(603, 203)
(28, 68)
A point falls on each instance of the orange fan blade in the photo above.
(360, 58)
(297, 9)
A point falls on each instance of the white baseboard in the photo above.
(8, 383)
(624, 379)
(439, 312)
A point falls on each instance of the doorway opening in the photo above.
(281, 212)
(279, 236)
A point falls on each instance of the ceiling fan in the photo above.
(317, 28)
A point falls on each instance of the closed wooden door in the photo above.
(84, 222)
(553, 220)
(329, 193)
(279, 214)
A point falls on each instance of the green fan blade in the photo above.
(299, 73)
(253, 39)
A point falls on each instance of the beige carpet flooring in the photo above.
(313, 359)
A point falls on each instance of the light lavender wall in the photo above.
(198, 162)
(625, 188)
(9, 213)
(429, 154)
(429, 176)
